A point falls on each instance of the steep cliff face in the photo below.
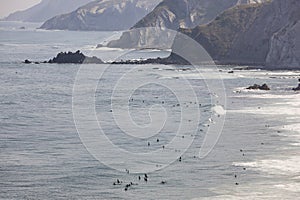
(45, 10)
(103, 15)
(252, 34)
(174, 14)
(285, 48)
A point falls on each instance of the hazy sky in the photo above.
(9, 6)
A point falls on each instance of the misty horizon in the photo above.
(10, 6)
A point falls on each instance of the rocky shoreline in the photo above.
(79, 58)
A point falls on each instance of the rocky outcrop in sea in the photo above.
(70, 58)
(259, 87)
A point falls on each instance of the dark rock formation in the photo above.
(45, 10)
(171, 60)
(75, 58)
(30, 62)
(259, 87)
(297, 88)
(27, 61)
(100, 15)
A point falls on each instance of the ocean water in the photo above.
(47, 129)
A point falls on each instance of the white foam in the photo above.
(288, 166)
(219, 110)
(292, 127)
(108, 49)
(285, 164)
(289, 187)
(258, 191)
(261, 74)
(288, 105)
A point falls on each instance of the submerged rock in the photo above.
(259, 87)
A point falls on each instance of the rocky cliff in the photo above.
(174, 14)
(103, 15)
(285, 47)
(45, 10)
(262, 34)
